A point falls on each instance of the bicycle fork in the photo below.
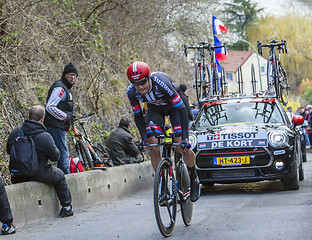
(165, 190)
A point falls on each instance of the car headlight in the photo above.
(278, 139)
(193, 140)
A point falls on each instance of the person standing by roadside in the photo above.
(307, 117)
(59, 113)
(290, 113)
(6, 216)
(46, 150)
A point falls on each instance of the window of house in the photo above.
(263, 69)
(229, 76)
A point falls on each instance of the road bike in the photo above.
(172, 186)
(218, 84)
(202, 71)
(92, 155)
(207, 81)
(276, 75)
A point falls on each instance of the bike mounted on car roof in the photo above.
(92, 155)
(207, 81)
(276, 75)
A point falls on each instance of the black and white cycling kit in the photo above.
(162, 100)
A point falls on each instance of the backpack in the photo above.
(23, 157)
(75, 165)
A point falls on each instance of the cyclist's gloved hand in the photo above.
(185, 144)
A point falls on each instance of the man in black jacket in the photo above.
(46, 150)
(121, 146)
(60, 112)
(6, 216)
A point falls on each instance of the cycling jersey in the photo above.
(163, 99)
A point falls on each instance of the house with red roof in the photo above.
(242, 62)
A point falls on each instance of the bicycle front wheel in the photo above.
(253, 79)
(84, 153)
(165, 198)
(184, 186)
(198, 83)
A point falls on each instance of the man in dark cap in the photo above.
(185, 100)
(59, 112)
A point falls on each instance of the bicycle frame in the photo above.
(278, 78)
(203, 82)
(83, 138)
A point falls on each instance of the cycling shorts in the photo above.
(156, 118)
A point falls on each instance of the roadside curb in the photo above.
(34, 201)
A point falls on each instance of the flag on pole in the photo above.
(220, 52)
(218, 26)
(218, 67)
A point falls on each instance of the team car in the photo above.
(247, 140)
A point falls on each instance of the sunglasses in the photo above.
(142, 82)
(72, 75)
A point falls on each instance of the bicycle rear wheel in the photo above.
(165, 198)
(214, 81)
(184, 186)
(84, 153)
(103, 154)
(284, 87)
(223, 83)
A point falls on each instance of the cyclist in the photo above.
(158, 90)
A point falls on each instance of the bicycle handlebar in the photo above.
(164, 135)
(203, 46)
(274, 43)
(83, 116)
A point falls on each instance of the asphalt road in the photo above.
(236, 211)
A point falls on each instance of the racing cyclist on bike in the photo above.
(161, 95)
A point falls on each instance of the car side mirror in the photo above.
(297, 120)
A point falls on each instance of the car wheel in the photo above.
(304, 157)
(301, 173)
(293, 182)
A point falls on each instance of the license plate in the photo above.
(239, 160)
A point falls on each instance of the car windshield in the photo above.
(239, 113)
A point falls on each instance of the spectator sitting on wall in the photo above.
(121, 146)
(46, 150)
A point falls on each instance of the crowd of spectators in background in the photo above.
(305, 112)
